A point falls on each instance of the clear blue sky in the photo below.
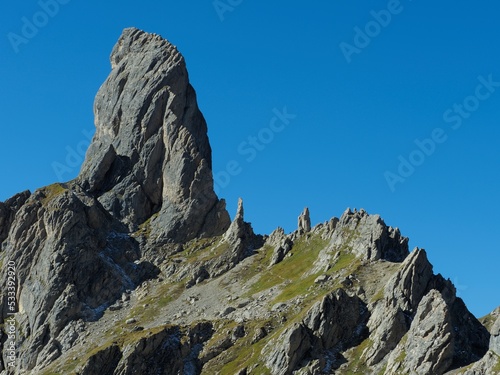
(353, 119)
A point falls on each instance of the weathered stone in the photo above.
(8, 210)
(150, 153)
(283, 355)
(391, 317)
(338, 318)
(407, 287)
(336, 321)
(321, 279)
(305, 221)
(366, 236)
(276, 238)
(281, 251)
(167, 349)
(103, 362)
(428, 348)
(495, 337)
(488, 365)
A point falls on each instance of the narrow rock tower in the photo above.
(305, 221)
(150, 157)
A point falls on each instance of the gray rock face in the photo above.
(391, 316)
(495, 337)
(366, 236)
(283, 356)
(305, 221)
(114, 271)
(408, 286)
(429, 345)
(8, 210)
(68, 267)
(374, 239)
(241, 238)
(150, 153)
(170, 351)
(167, 352)
(150, 159)
(281, 243)
(337, 321)
(237, 243)
(238, 229)
(488, 365)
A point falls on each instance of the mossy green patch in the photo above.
(257, 264)
(220, 248)
(245, 356)
(496, 369)
(244, 353)
(356, 363)
(51, 192)
(488, 321)
(383, 370)
(304, 253)
(150, 307)
(346, 260)
(378, 296)
(145, 228)
(197, 248)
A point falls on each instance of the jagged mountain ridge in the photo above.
(134, 267)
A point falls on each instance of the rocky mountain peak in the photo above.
(136, 268)
(150, 154)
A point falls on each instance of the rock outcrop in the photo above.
(149, 164)
(366, 236)
(150, 154)
(428, 347)
(170, 351)
(71, 264)
(331, 326)
(413, 299)
(495, 337)
(8, 210)
(304, 221)
(392, 315)
(281, 244)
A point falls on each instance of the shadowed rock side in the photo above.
(136, 268)
(150, 153)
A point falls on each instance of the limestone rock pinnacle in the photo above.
(305, 221)
(150, 154)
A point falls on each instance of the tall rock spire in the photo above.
(150, 154)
